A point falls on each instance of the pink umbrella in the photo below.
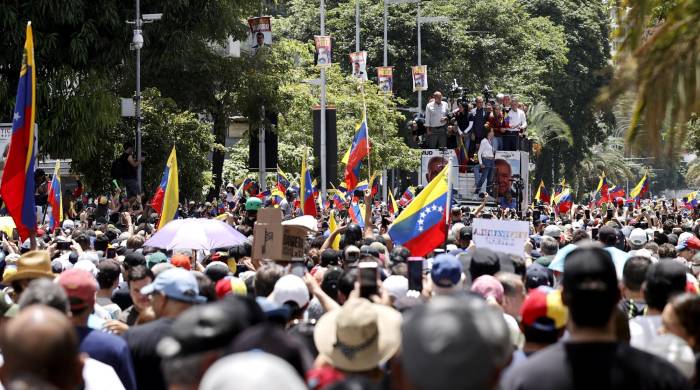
(195, 233)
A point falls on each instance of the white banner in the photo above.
(501, 236)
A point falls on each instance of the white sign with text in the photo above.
(501, 236)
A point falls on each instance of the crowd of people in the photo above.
(598, 301)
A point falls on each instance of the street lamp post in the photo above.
(322, 163)
(357, 25)
(136, 45)
(420, 20)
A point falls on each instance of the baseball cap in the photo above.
(543, 310)
(552, 231)
(537, 275)
(396, 286)
(80, 286)
(216, 271)
(253, 204)
(290, 288)
(638, 237)
(446, 271)
(454, 342)
(8, 308)
(488, 287)
(230, 284)
(688, 240)
(590, 275)
(156, 258)
(175, 283)
(278, 374)
(181, 261)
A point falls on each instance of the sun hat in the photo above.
(454, 342)
(175, 283)
(543, 310)
(359, 335)
(32, 265)
(290, 288)
(80, 286)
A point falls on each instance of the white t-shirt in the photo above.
(434, 112)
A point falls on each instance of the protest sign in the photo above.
(419, 77)
(274, 241)
(259, 33)
(323, 50)
(385, 76)
(501, 236)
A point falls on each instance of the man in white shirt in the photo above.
(517, 123)
(486, 155)
(436, 121)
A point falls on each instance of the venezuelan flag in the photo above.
(17, 188)
(355, 213)
(282, 181)
(616, 192)
(641, 188)
(603, 189)
(462, 157)
(358, 151)
(277, 196)
(558, 190)
(375, 180)
(690, 201)
(542, 194)
(564, 201)
(392, 206)
(55, 198)
(407, 197)
(422, 226)
(308, 206)
(333, 226)
(167, 197)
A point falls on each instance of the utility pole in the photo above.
(357, 25)
(420, 93)
(262, 163)
(322, 163)
(137, 97)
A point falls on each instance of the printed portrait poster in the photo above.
(433, 161)
(259, 33)
(420, 77)
(385, 77)
(358, 60)
(501, 236)
(511, 169)
(323, 50)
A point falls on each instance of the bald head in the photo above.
(41, 343)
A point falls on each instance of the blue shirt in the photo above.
(111, 350)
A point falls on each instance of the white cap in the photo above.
(552, 231)
(86, 265)
(396, 286)
(638, 237)
(251, 370)
(68, 224)
(290, 288)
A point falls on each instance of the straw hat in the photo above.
(358, 336)
(32, 265)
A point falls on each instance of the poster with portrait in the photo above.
(385, 77)
(511, 179)
(323, 50)
(432, 161)
(358, 60)
(259, 33)
(419, 75)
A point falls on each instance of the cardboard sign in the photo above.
(501, 236)
(274, 241)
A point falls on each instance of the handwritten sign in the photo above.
(501, 236)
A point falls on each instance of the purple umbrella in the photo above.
(195, 233)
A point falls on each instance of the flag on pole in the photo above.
(55, 198)
(542, 194)
(374, 181)
(616, 192)
(282, 181)
(333, 226)
(641, 188)
(358, 151)
(564, 201)
(558, 189)
(407, 197)
(392, 206)
(167, 197)
(308, 206)
(17, 188)
(421, 227)
(462, 157)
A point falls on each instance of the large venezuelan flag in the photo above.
(17, 188)
(358, 151)
(422, 226)
(55, 198)
(167, 197)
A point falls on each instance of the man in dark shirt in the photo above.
(479, 117)
(81, 287)
(592, 358)
(172, 292)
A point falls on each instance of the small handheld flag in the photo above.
(358, 151)
(167, 197)
(56, 198)
(308, 206)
